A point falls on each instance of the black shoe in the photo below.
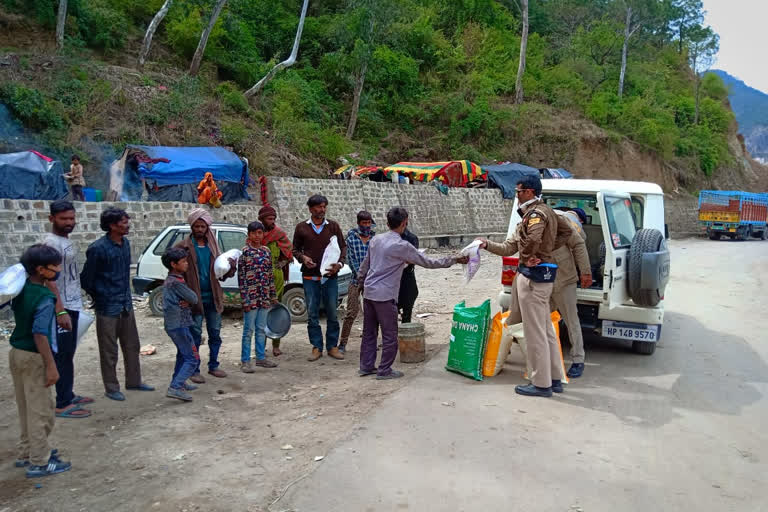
(394, 374)
(575, 371)
(365, 373)
(531, 390)
(557, 386)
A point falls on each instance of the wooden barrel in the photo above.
(411, 343)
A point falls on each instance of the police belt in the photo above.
(541, 273)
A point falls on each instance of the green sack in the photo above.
(469, 334)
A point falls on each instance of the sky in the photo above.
(742, 26)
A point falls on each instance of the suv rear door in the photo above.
(618, 225)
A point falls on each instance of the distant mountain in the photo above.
(751, 109)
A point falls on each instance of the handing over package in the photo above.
(473, 265)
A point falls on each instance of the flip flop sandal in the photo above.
(69, 412)
(82, 400)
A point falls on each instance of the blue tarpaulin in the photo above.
(506, 176)
(189, 165)
(29, 175)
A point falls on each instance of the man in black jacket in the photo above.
(409, 290)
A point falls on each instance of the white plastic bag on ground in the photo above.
(12, 281)
(84, 321)
(330, 256)
(221, 265)
(471, 268)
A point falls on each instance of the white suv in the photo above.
(150, 272)
(626, 241)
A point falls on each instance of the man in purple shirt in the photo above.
(380, 274)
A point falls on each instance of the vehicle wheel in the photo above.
(644, 347)
(714, 236)
(156, 301)
(764, 234)
(742, 234)
(297, 305)
(648, 279)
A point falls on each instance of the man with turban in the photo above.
(280, 246)
(203, 251)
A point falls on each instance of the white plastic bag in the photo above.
(12, 281)
(473, 265)
(84, 321)
(221, 265)
(330, 256)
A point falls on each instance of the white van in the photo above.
(150, 272)
(626, 241)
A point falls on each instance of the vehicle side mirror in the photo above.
(666, 231)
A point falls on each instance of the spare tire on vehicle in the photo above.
(649, 263)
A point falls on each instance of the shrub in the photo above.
(234, 133)
(32, 107)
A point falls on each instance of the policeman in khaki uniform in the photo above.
(537, 235)
(573, 266)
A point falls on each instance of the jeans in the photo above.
(327, 293)
(254, 320)
(213, 327)
(187, 358)
(65, 361)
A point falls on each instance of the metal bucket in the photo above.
(411, 343)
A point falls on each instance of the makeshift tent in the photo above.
(30, 175)
(173, 173)
(505, 176)
(349, 171)
(455, 173)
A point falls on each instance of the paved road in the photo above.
(684, 429)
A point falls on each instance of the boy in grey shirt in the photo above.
(177, 316)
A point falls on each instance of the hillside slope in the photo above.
(750, 106)
(439, 88)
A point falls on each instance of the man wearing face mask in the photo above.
(538, 234)
(357, 247)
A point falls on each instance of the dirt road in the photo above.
(683, 426)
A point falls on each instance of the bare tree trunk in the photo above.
(198, 58)
(356, 99)
(61, 21)
(151, 31)
(627, 34)
(523, 51)
(290, 61)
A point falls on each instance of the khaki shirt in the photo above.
(542, 241)
(569, 256)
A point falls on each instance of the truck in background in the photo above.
(735, 214)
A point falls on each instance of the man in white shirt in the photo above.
(69, 304)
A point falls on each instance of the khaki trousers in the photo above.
(530, 305)
(35, 404)
(565, 302)
(110, 329)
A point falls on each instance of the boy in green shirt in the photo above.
(31, 362)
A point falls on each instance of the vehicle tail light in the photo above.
(508, 270)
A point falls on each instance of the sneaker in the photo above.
(115, 395)
(336, 354)
(531, 390)
(197, 379)
(394, 374)
(557, 386)
(179, 394)
(316, 354)
(54, 466)
(188, 387)
(22, 463)
(246, 367)
(264, 363)
(576, 370)
(141, 387)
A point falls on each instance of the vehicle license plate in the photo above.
(629, 331)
